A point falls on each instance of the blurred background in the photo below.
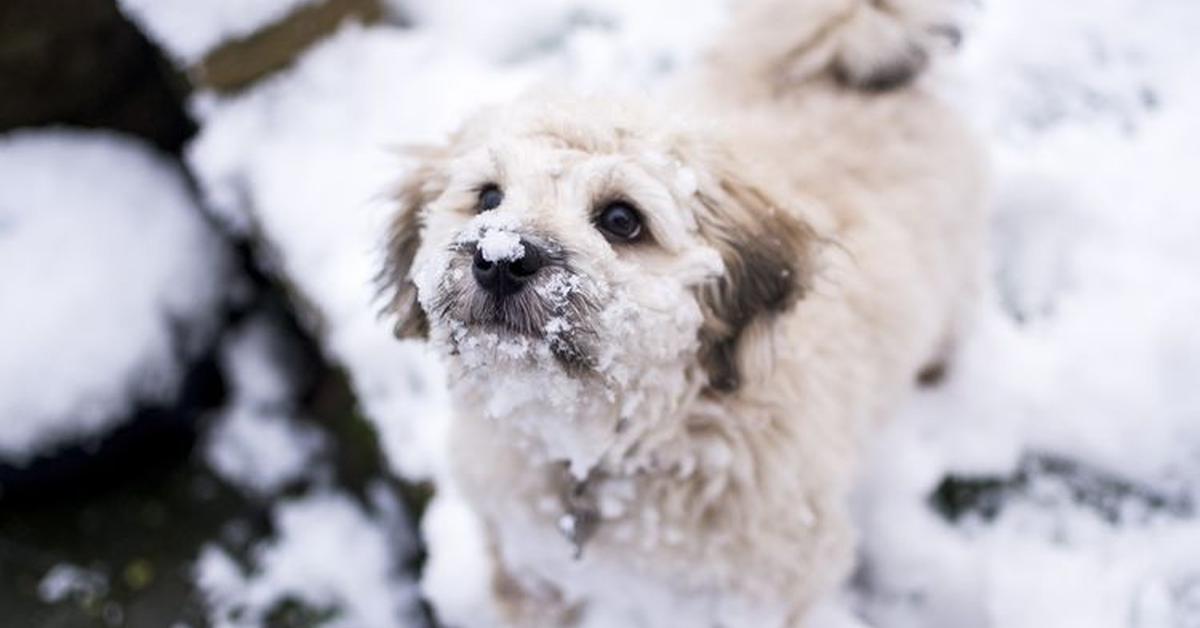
(205, 422)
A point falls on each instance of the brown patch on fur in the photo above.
(425, 183)
(767, 253)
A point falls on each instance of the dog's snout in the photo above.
(504, 277)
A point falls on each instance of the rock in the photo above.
(121, 293)
(94, 70)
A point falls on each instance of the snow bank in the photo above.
(1086, 351)
(328, 554)
(112, 282)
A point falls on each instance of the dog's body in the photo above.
(661, 429)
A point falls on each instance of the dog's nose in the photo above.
(505, 277)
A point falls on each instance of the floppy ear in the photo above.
(423, 184)
(768, 254)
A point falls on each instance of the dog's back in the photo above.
(829, 98)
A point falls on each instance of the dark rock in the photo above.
(80, 62)
(155, 434)
(1048, 478)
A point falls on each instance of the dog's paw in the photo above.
(882, 44)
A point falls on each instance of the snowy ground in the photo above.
(1050, 481)
(1084, 353)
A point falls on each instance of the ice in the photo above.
(112, 282)
(329, 554)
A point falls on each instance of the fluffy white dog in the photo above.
(667, 336)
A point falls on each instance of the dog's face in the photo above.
(589, 271)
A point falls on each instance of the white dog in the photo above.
(667, 337)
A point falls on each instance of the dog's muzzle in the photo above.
(525, 288)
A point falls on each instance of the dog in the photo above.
(668, 334)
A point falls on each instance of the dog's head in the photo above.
(594, 244)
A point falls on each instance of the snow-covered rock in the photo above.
(329, 554)
(111, 280)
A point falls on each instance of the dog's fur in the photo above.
(673, 423)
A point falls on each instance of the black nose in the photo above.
(505, 277)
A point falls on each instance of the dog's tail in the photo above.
(872, 45)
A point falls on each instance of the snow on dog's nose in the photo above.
(504, 262)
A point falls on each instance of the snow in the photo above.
(498, 246)
(257, 443)
(120, 284)
(604, 43)
(1085, 349)
(188, 30)
(309, 155)
(328, 553)
(66, 580)
(457, 578)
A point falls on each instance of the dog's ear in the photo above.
(768, 253)
(423, 183)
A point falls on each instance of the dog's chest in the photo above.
(627, 569)
(604, 543)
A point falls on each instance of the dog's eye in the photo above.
(620, 222)
(490, 197)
